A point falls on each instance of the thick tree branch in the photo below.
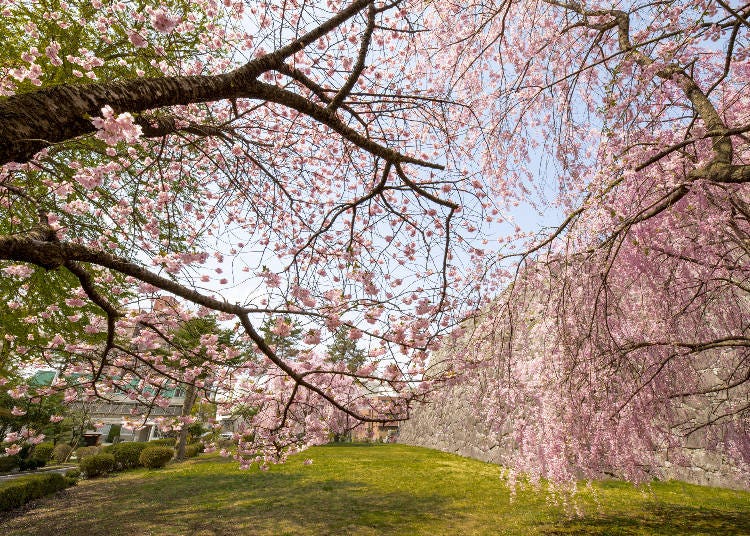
(33, 121)
(359, 66)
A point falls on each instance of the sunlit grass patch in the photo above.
(381, 489)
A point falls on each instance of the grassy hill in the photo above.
(368, 490)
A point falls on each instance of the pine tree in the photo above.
(343, 349)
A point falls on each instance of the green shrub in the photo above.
(17, 492)
(30, 464)
(82, 452)
(155, 457)
(196, 430)
(114, 432)
(127, 454)
(98, 464)
(73, 473)
(61, 453)
(43, 451)
(165, 441)
(8, 463)
(225, 444)
(191, 451)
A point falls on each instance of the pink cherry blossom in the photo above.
(18, 270)
(282, 327)
(163, 22)
(114, 129)
(12, 450)
(551, 193)
(312, 337)
(137, 40)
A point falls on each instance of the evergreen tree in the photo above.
(345, 350)
(187, 340)
(285, 341)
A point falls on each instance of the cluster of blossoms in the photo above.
(16, 438)
(113, 129)
(163, 21)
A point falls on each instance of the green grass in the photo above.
(389, 489)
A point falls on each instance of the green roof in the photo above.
(42, 378)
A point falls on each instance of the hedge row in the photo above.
(155, 457)
(8, 463)
(132, 454)
(17, 492)
(126, 454)
(98, 464)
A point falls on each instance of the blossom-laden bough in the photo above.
(247, 159)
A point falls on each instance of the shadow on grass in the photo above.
(659, 518)
(393, 490)
(271, 503)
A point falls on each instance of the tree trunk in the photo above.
(187, 405)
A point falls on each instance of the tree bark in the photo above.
(33, 121)
(187, 406)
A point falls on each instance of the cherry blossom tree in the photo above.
(246, 158)
(625, 328)
(360, 165)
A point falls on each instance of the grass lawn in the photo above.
(369, 490)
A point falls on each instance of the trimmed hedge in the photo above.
(73, 473)
(98, 464)
(8, 463)
(164, 441)
(127, 454)
(17, 492)
(43, 451)
(191, 451)
(61, 453)
(82, 452)
(30, 464)
(155, 457)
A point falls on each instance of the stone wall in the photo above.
(452, 424)
(472, 417)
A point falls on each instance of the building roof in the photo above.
(42, 378)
